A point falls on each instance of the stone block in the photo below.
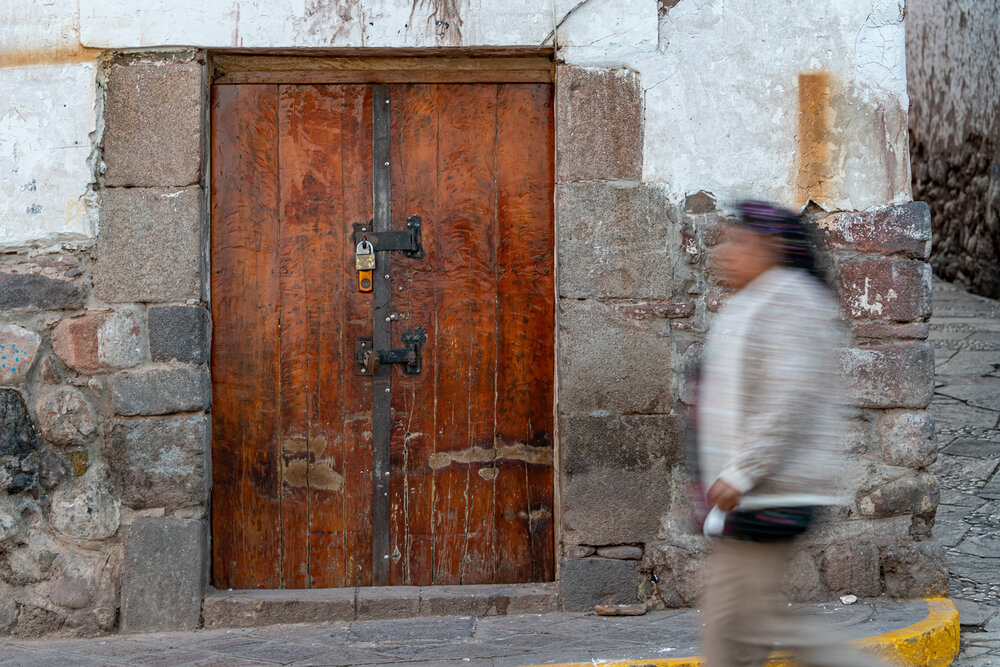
(699, 202)
(916, 494)
(179, 333)
(99, 340)
(915, 570)
(161, 391)
(889, 230)
(18, 442)
(584, 582)
(889, 376)
(28, 290)
(624, 552)
(65, 416)
(612, 360)
(374, 604)
(599, 113)
(886, 289)
(149, 245)
(803, 581)
(627, 443)
(907, 438)
(614, 241)
(160, 461)
(153, 123)
(163, 575)
(679, 568)
(488, 599)
(254, 608)
(18, 351)
(852, 569)
(87, 508)
(883, 330)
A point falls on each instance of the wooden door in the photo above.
(327, 478)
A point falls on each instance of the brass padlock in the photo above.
(364, 261)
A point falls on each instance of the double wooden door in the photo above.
(325, 476)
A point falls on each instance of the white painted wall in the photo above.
(720, 79)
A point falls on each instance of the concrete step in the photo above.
(250, 608)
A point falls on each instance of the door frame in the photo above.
(383, 66)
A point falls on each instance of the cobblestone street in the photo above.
(965, 330)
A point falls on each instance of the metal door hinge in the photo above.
(406, 240)
(368, 361)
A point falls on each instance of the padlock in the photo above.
(364, 256)
(364, 261)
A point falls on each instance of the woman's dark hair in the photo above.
(791, 236)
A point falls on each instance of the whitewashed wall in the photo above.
(721, 80)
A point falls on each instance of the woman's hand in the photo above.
(724, 496)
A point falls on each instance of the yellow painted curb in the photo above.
(932, 642)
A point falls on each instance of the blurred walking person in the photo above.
(769, 421)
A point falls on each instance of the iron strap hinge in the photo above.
(406, 240)
(368, 361)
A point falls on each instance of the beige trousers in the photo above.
(745, 614)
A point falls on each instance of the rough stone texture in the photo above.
(87, 508)
(615, 474)
(600, 121)
(149, 246)
(18, 443)
(163, 575)
(898, 290)
(888, 230)
(852, 569)
(179, 333)
(153, 124)
(803, 579)
(395, 602)
(600, 351)
(891, 331)
(614, 241)
(52, 468)
(120, 340)
(255, 608)
(584, 582)
(679, 567)
(624, 552)
(889, 376)
(160, 462)
(64, 415)
(70, 591)
(18, 351)
(161, 391)
(907, 438)
(915, 570)
(917, 494)
(27, 290)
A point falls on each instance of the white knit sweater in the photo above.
(770, 412)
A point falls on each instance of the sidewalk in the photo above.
(965, 331)
(915, 632)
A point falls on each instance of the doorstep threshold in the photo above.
(251, 608)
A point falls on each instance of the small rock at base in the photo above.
(620, 609)
(848, 599)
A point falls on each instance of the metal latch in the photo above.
(368, 361)
(406, 241)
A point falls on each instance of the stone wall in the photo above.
(953, 53)
(103, 358)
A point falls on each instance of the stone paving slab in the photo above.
(496, 641)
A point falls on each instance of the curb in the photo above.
(932, 642)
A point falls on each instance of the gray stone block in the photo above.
(163, 575)
(388, 602)
(153, 123)
(852, 569)
(611, 360)
(617, 442)
(160, 461)
(916, 570)
(616, 477)
(254, 608)
(27, 290)
(179, 333)
(18, 442)
(161, 391)
(614, 241)
(889, 376)
(600, 119)
(584, 582)
(149, 245)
